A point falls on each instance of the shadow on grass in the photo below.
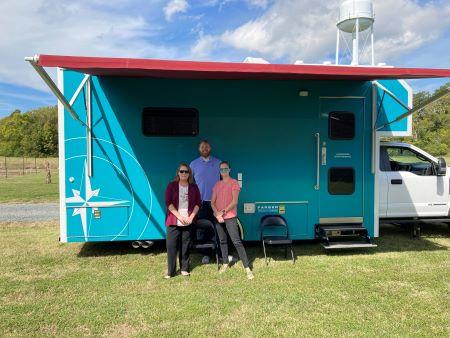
(393, 239)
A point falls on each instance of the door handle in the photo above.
(397, 181)
(317, 186)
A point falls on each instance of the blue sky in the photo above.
(280, 31)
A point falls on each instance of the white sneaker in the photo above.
(205, 260)
(230, 259)
(249, 273)
(224, 268)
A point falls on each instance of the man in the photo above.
(206, 174)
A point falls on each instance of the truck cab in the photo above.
(412, 184)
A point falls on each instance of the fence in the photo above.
(15, 166)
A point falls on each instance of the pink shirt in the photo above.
(224, 196)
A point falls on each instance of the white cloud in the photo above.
(204, 46)
(63, 27)
(174, 7)
(305, 29)
(258, 3)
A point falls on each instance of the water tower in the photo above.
(355, 25)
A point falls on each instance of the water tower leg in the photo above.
(337, 46)
(355, 58)
(371, 42)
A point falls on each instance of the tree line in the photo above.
(431, 126)
(30, 134)
(35, 132)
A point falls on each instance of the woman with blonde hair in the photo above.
(183, 202)
(224, 205)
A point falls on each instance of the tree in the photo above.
(34, 133)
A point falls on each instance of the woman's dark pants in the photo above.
(231, 227)
(178, 238)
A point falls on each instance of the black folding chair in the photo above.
(210, 242)
(279, 234)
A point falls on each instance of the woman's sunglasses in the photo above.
(184, 171)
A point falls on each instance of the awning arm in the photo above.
(410, 111)
(80, 87)
(33, 60)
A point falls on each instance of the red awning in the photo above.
(105, 66)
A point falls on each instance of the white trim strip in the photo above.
(62, 162)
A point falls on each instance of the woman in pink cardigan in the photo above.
(183, 202)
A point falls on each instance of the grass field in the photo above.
(29, 188)
(399, 289)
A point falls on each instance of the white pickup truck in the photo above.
(413, 185)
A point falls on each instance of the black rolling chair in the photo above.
(274, 231)
(211, 241)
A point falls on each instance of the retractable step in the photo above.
(344, 236)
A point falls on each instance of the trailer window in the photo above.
(341, 181)
(341, 125)
(170, 121)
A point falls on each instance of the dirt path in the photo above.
(17, 212)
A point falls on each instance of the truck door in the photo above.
(414, 189)
(340, 170)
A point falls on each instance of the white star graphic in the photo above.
(81, 204)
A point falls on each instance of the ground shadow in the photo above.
(393, 239)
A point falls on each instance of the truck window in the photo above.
(403, 159)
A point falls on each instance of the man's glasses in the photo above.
(224, 170)
(184, 171)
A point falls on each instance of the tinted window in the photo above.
(341, 181)
(170, 121)
(341, 125)
(403, 159)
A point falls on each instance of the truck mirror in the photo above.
(441, 167)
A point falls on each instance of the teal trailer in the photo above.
(302, 140)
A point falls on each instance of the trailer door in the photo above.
(340, 145)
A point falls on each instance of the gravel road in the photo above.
(18, 212)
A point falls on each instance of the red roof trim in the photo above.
(228, 70)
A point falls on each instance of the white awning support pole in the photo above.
(49, 82)
(89, 126)
(80, 87)
(409, 110)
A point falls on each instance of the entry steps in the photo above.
(344, 236)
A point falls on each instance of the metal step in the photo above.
(347, 245)
(344, 236)
(344, 227)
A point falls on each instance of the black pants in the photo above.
(203, 235)
(231, 227)
(178, 238)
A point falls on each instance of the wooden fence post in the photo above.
(48, 176)
(6, 169)
(35, 166)
(23, 165)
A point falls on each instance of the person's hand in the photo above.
(185, 220)
(182, 220)
(220, 218)
(190, 219)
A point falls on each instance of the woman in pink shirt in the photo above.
(224, 205)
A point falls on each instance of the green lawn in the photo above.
(29, 188)
(399, 289)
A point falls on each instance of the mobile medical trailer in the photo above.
(302, 140)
